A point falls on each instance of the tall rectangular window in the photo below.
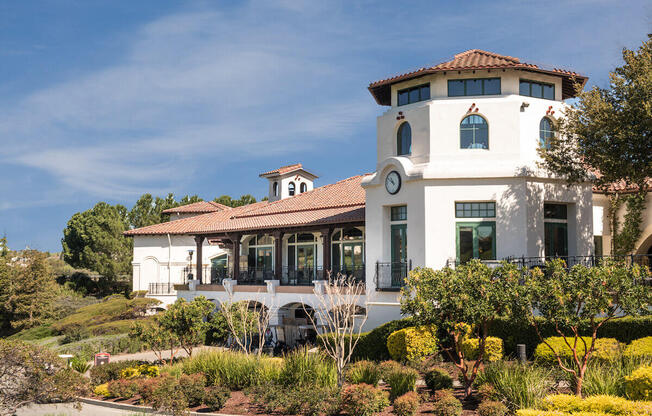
(413, 94)
(536, 89)
(473, 86)
(555, 218)
(476, 240)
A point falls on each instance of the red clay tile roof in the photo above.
(197, 207)
(286, 169)
(476, 59)
(341, 202)
(621, 187)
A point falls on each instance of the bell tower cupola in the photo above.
(288, 181)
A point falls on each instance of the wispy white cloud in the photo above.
(193, 86)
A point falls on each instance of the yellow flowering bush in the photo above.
(611, 405)
(638, 385)
(143, 370)
(641, 347)
(493, 349)
(606, 349)
(412, 343)
(102, 390)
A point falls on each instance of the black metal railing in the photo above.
(161, 289)
(255, 275)
(357, 273)
(301, 276)
(218, 274)
(391, 276)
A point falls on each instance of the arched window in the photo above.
(474, 133)
(291, 188)
(303, 188)
(404, 140)
(546, 132)
(275, 188)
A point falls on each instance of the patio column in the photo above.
(235, 239)
(199, 240)
(326, 263)
(278, 254)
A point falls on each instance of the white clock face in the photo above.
(393, 182)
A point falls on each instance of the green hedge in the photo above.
(624, 330)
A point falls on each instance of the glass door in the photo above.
(352, 259)
(399, 254)
(556, 239)
(219, 268)
(305, 263)
(264, 266)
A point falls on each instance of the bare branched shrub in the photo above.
(339, 316)
(247, 320)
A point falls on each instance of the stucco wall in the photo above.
(600, 213)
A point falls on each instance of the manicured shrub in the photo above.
(104, 373)
(215, 397)
(401, 381)
(129, 373)
(407, 404)
(102, 390)
(438, 379)
(147, 386)
(492, 408)
(192, 387)
(639, 348)
(363, 372)
(512, 332)
(638, 385)
(446, 404)
(517, 385)
(168, 397)
(597, 404)
(387, 367)
(125, 389)
(606, 349)
(303, 400)
(373, 344)
(493, 349)
(73, 333)
(363, 400)
(412, 343)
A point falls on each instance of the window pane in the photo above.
(399, 213)
(402, 97)
(425, 92)
(492, 86)
(336, 255)
(473, 87)
(352, 234)
(404, 140)
(555, 211)
(475, 209)
(482, 137)
(466, 244)
(537, 90)
(303, 238)
(414, 95)
(466, 138)
(485, 242)
(524, 88)
(251, 258)
(455, 88)
(597, 243)
(556, 239)
(549, 92)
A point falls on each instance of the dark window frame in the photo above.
(410, 90)
(546, 135)
(465, 94)
(292, 189)
(400, 210)
(461, 209)
(542, 84)
(399, 140)
(474, 132)
(474, 225)
(303, 187)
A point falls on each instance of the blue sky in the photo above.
(107, 100)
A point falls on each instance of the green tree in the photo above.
(461, 302)
(149, 210)
(187, 321)
(33, 374)
(93, 240)
(230, 202)
(610, 130)
(567, 299)
(156, 338)
(4, 248)
(32, 291)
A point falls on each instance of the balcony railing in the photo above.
(357, 273)
(255, 275)
(391, 276)
(589, 261)
(161, 289)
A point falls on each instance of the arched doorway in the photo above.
(295, 325)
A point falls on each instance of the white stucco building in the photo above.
(456, 178)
